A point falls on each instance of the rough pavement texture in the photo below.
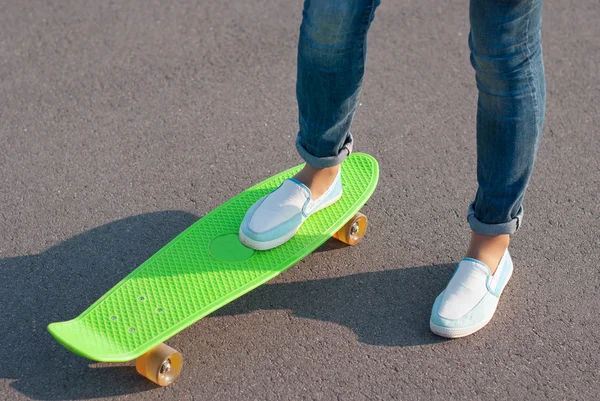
(122, 122)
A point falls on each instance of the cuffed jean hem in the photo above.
(510, 227)
(327, 161)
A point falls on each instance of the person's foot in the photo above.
(318, 180)
(470, 299)
(275, 218)
(488, 249)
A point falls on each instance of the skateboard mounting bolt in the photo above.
(113, 318)
(159, 310)
(166, 366)
(131, 330)
(141, 298)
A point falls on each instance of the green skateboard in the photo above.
(202, 269)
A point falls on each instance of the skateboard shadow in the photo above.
(383, 308)
(60, 283)
(388, 308)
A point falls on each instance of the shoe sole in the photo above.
(263, 246)
(457, 332)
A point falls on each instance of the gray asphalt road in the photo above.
(122, 122)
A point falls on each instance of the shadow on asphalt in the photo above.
(60, 283)
(386, 308)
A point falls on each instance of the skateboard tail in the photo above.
(92, 344)
(60, 331)
(96, 345)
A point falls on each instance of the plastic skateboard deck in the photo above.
(202, 269)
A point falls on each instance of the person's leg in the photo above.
(506, 53)
(331, 61)
(332, 52)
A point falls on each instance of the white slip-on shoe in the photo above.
(275, 218)
(470, 299)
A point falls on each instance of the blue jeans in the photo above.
(506, 53)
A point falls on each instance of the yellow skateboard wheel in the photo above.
(161, 364)
(353, 231)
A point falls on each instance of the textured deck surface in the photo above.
(185, 281)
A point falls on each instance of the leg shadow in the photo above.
(385, 308)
